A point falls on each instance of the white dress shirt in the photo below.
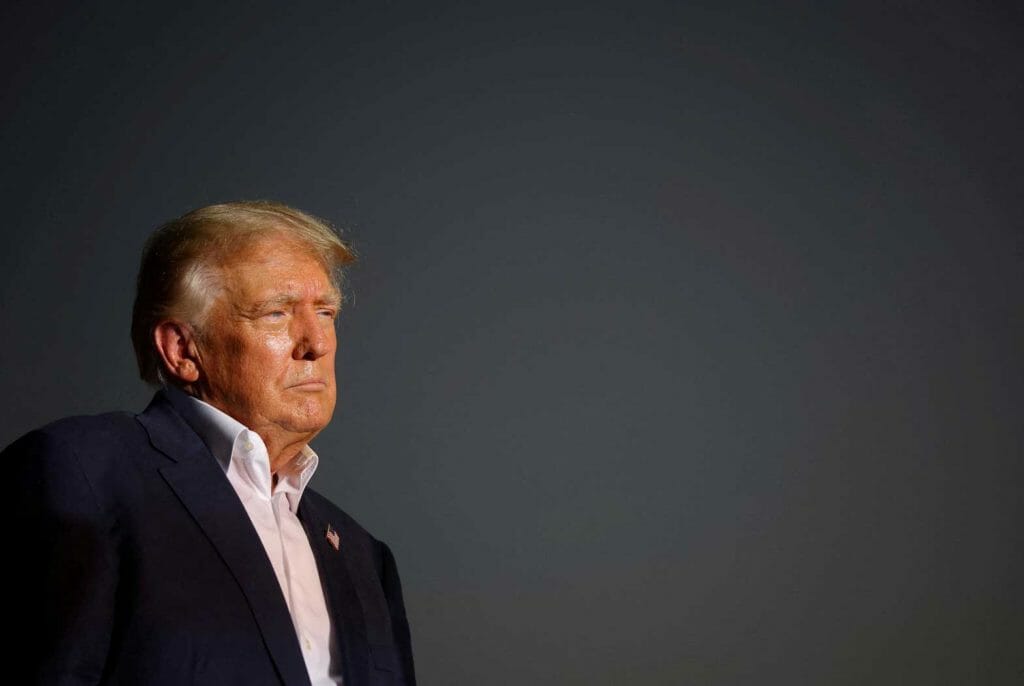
(243, 456)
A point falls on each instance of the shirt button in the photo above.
(248, 445)
(309, 646)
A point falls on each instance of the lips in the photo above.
(309, 385)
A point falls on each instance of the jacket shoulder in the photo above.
(335, 513)
(84, 434)
(72, 456)
(377, 551)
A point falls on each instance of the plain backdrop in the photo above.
(685, 342)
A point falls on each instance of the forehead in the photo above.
(275, 265)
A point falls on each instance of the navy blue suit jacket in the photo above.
(134, 562)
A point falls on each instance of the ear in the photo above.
(175, 343)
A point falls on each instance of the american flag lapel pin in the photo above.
(333, 538)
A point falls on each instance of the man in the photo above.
(183, 545)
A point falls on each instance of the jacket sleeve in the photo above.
(399, 624)
(65, 574)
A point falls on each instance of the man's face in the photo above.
(266, 350)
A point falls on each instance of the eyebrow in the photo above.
(332, 298)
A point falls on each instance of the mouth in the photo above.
(308, 385)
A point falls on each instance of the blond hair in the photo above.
(178, 272)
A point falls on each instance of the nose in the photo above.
(314, 335)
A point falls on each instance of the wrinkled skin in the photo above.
(265, 354)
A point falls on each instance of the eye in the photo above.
(275, 315)
(327, 313)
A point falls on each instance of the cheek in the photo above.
(275, 347)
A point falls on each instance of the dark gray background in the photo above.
(686, 338)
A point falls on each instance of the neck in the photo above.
(282, 446)
(281, 456)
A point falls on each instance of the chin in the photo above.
(312, 421)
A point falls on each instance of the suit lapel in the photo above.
(201, 486)
(336, 575)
